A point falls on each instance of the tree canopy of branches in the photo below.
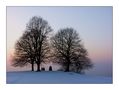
(69, 51)
(67, 48)
(33, 46)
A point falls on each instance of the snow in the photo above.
(54, 77)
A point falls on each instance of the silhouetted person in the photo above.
(50, 68)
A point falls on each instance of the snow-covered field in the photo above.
(54, 77)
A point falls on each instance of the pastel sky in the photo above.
(94, 25)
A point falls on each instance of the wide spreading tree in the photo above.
(69, 50)
(33, 45)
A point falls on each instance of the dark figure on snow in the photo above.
(50, 68)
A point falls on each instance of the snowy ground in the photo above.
(56, 77)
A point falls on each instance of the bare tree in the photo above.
(24, 52)
(69, 51)
(33, 45)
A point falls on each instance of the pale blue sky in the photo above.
(94, 25)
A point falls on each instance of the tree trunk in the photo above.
(67, 68)
(38, 67)
(32, 65)
(68, 59)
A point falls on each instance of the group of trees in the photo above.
(36, 47)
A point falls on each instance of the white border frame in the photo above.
(4, 3)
